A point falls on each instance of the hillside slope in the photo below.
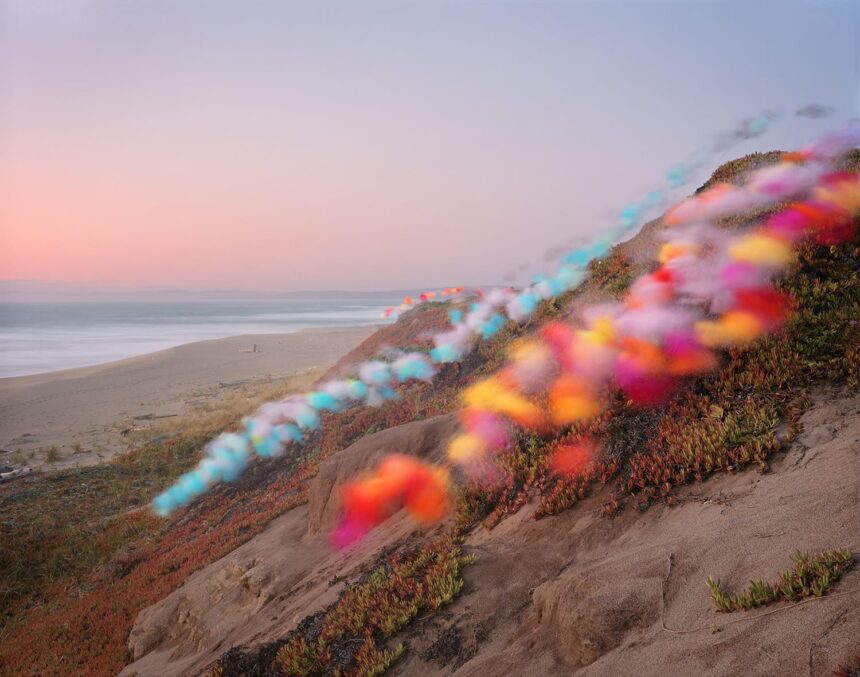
(574, 591)
(617, 585)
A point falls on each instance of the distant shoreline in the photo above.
(39, 338)
(84, 412)
(85, 370)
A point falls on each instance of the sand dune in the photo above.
(86, 413)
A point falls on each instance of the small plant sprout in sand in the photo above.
(813, 575)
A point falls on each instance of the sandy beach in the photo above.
(83, 416)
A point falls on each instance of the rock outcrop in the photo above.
(264, 588)
(424, 439)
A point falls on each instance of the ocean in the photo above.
(46, 336)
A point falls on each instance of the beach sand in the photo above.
(82, 416)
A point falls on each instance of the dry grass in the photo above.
(226, 407)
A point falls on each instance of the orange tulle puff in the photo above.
(686, 357)
(735, 328)
(560, 337)
(572, 399)
(570, 460)
(642, 373)
(399, 481)
(767, 305)
(494, 395)
(795, 157)
(645, 356)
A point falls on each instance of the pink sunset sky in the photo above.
(372, 145)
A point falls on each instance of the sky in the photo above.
(374, 145)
